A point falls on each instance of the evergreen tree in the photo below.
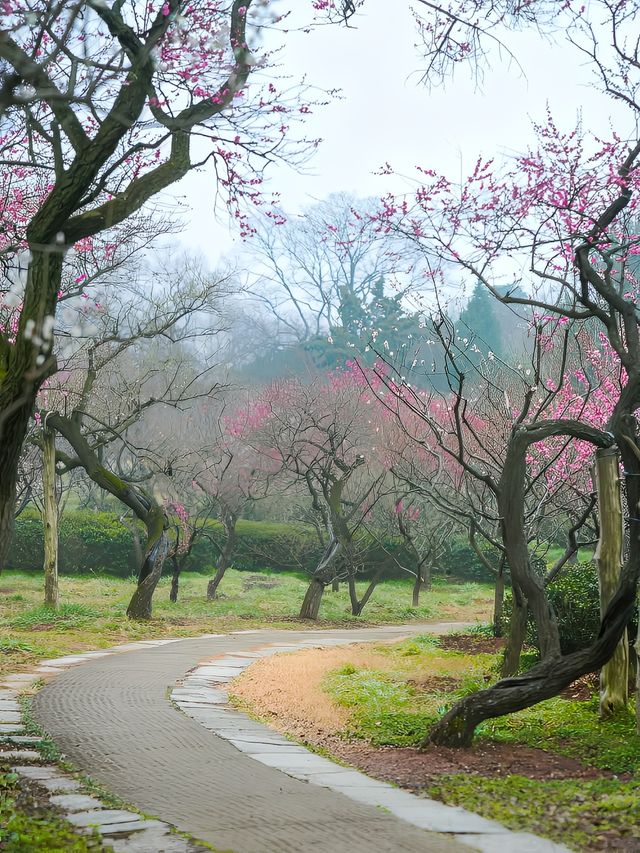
(479, 324)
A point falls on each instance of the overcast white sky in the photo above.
(386, 115)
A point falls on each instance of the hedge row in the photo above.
(99, 542)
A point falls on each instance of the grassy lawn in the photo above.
(396, 705)
(93, 615)
(93, 610)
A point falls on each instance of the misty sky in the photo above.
(387, 115)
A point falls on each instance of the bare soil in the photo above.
(472, 644)
(272, 689)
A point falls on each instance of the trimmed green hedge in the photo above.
(99, 542)
(88, 542)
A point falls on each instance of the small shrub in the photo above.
(575, 598)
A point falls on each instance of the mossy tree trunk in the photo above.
(614, 676)
(144, 506)
(50, 517)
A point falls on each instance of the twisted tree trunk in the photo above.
(229, 521)
(517, 634)
(21, 374)
(554, 674)
(144, 505)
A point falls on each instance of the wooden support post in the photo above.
(614, 676)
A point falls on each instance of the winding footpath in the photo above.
(115, 718)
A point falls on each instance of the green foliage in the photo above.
(89, 542)
(98, 542)
(460, 561)
(576, 600)
(381, 706)
(478, 323)
(570, 811)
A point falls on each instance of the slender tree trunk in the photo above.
(614, 676)
(50, 517)
(498, 600)
(517, 634)
(229, 520)
(358, 605)
(175, 579)
(415, 596)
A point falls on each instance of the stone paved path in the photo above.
(113, 719)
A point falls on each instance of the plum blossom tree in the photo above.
(566, 206)
(325, 435)
(102, 106)
(226, 471)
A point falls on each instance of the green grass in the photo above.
(93, 610)
(394, 705)
(27, 826)
(583, 814)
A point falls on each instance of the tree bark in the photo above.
(517, 634)
(358, 605)
(498, 602)
(511, 507)
(155, 553)
(312, 599)
(50, 517)
(323, 575)
(175, 579)
(143, 505)
(415, 596)
(614, 676)
(229, 521)
(21, 375)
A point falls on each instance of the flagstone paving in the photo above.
(156, 731)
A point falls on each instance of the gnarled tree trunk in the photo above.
(21, 374)
(323, 575)
(511, 502)
(517, 634)
(143, 505)
(554, 674)
(229, 521)
(155, 552)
